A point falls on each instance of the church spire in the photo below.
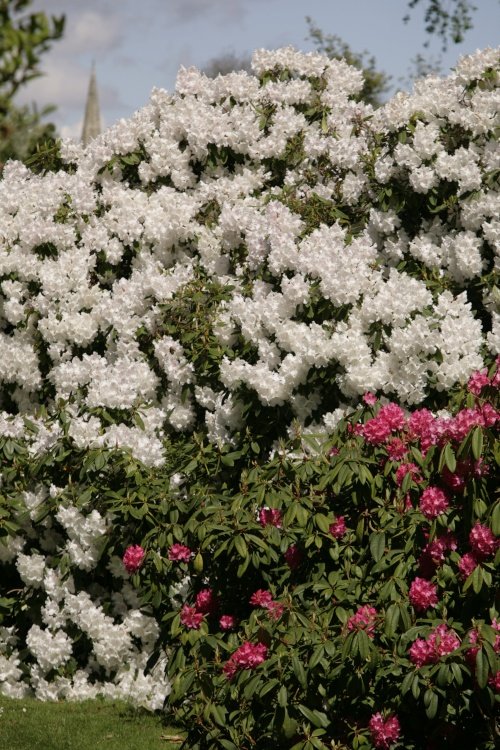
(92, 121)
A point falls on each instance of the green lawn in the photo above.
(91, 725)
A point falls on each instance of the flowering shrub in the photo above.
(248, 383)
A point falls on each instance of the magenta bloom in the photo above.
(247, 656)
(338, 528)
(133, 558)
(293, 556)
(190, 617)
(179, 553)
(261, 598)
(423, 594)
(375, 431)
(369, 398)
(433, 553)
(227, 622)
(206, 602)
(467, 564)
(364, 619)
(482, 541)
(396, 449)
(384, 732)
(433, 502)
(440, 642)
(270, 517)
(405, 469)
(477, 381)
(421, 653)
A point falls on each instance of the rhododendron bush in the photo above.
(249, 387)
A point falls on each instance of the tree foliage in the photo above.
(24, 38)
(376, 82)
(447, 19)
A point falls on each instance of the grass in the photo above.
(29, 724)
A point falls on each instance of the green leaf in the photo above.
(299, 671)
(391, 620)
(317, 718)
(477, 442)
(322, 522)
(282, 696)
(377, 545)
(449, 457)
(481, 669)
(241, 546)
(495, 519)
(431, 703)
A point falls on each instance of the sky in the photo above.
(139, 44)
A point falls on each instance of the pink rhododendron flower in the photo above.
(227, 622)
(494, 682)
(482, 541)
(369, 398)
(338, 527)
(433, 553)
(423, 594)
(270, 517)
(293, 556)
(421, 653)
(433, 501)
(190, 617)
(392, 415)
(275, 610)
(477, 381)
(206, 602)
(375, 431)
(440, 642)
(247, 656)
(364, 619)
(405, 469)
(396, 449)
(467, 564)
(261, 598)
(179, 553)
(133, 558)
(384, 732)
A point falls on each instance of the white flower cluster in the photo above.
(120, 639)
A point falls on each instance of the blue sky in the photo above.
(138, 44)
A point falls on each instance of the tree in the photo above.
(448, 19)
(24, 37)
(227, 63)
(376, 82)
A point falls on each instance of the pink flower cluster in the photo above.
(364, 619)
(440, 642)
(207, 603)
(338, 528)
(264, 599)
(270, 517)
(423, 594)
(422, 426)
(433, 554)
(483, 541)
(190, 617)
(471, 653)
(477, 381)
(375, 431)
(179, 553)
(247, 656)
(483, 544)
(433, 501)
(133, 558)
(384, 732)
(405, 469)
